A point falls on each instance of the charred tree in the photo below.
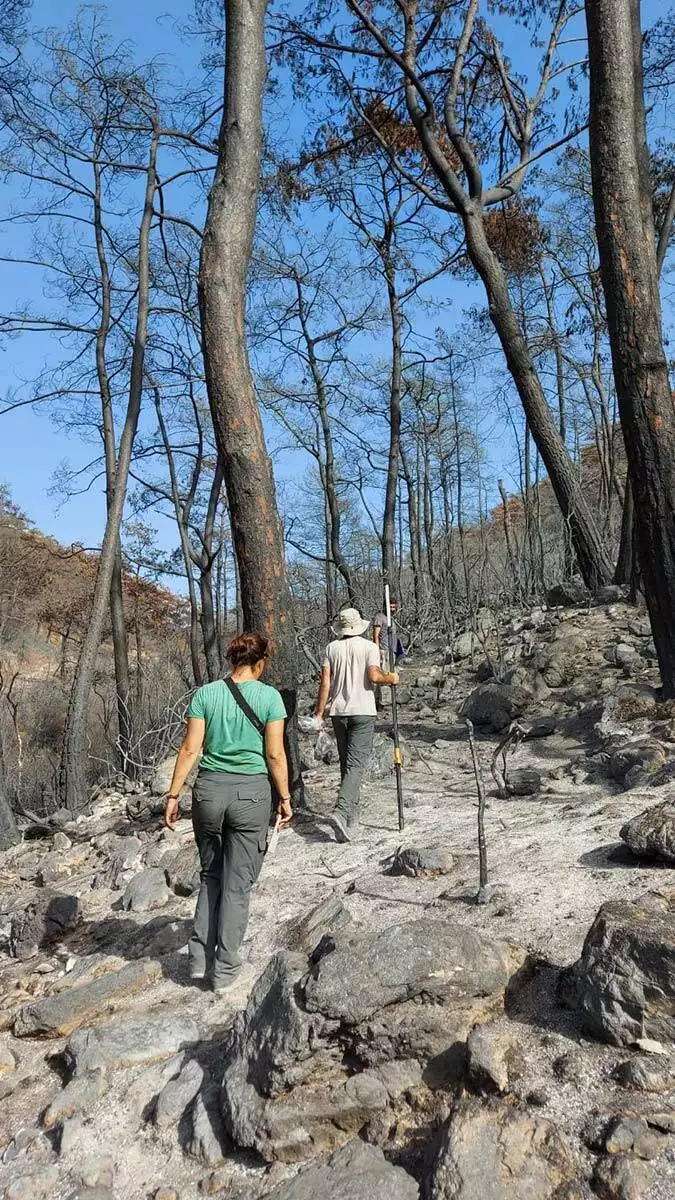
(225, 255)
(628, 260)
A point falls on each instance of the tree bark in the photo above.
(626, 241)
(73, 779)
(225, 256)
(120, 639)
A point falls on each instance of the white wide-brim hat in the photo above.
(349, 623)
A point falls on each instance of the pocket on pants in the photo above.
(255, 790)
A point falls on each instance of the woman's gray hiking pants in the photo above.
(230, 817)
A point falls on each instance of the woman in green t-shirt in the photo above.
(231, 801)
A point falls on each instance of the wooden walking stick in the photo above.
(398, 759)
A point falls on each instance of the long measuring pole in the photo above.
(398, 760)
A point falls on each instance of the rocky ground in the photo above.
(389, 1037)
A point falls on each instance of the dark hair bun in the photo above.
(247, 649)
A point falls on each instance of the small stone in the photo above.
(217, 1182)
(61, 842)
(146, 891)
(523, 781)
(493, 1060)
(646, 1075)
(569, 1068)
(620, 1177)
(631, 1135)
(330, 916)
(43, 922)
(426, 862)
(82, 1093)
(165, 1193)
(652, 834)
(70, 1135)
(96, 1172)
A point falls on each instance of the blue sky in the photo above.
(31, 448)
(30, 474)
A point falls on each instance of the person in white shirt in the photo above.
(350, 672)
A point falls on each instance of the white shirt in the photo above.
(351, 692)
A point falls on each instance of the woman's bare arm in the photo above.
(188, 755)
(278, 767)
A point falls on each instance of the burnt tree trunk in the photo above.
(225, 256)
(120, 640)
(9, 834)
(395, 388)
(73, 779)
(626, 241)
(592, 557)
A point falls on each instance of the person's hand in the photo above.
(394, 678)
(284, 812)
(171, 807)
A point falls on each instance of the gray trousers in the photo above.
(230, 817)
(355, 745)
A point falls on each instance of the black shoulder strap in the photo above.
(244, 706)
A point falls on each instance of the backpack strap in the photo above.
(244, 706)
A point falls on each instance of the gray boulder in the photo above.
(177, 1094)
(624, 982)
(523, 781)
(355, 1172)
(495, 705)
(362, 975)
(492, 1151)
(129, 1043)
(424, 861)
(182, 872)
(651, 1073)
(43, 922)
(652, 833)
(568, 593)
(162, 776)
(80, 1094)
(207, 1143)
(287, 1091)
(146, 891)
(622, 1177)
(59, 1015)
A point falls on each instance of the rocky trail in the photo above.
(389, 1037)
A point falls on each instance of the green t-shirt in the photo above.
(231, 742)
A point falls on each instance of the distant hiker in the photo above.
(350, 670)
(231, 801)
(380, 628)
